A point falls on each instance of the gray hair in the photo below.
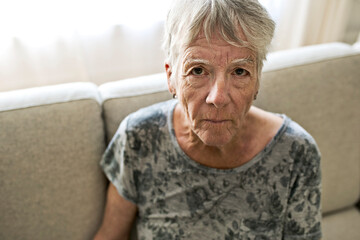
(187, 18)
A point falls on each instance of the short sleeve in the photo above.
(114, 164)
(303, 216)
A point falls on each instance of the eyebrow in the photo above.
(240, 61)
(196, 61)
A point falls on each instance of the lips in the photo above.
(216, 121)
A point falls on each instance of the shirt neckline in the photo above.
(243, 167)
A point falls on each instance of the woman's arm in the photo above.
(118, 218)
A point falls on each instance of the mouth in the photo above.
(216, 121)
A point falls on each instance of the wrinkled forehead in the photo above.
(216, 44)
(216, 50)
(206, 37)
(237, 37)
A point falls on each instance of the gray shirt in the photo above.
(276, 195)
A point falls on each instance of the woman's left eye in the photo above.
(240, 72)
(197, 71)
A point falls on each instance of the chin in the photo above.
(215, 139)
(215, 135)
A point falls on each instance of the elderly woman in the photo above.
(209, 165)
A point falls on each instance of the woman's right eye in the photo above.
(197, 71)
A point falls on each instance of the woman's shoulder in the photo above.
(299, 143)
(145, 120)
(297, 133)
(283, 129)
(156, 114)
(281, 123)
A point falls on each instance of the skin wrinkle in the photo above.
(218, 93)
(246, 63)
(215, 62)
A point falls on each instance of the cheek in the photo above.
(190, 98)
(242, 100)
(244, 90)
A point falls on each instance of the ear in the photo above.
(168, 75)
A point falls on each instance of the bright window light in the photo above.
(38, 22)
(274, 7)
(44, 19)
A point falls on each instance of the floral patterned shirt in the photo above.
(276, 195)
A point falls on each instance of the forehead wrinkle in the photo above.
(191, 57)
(188, 62)
(221, 58)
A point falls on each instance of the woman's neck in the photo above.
(256, 131)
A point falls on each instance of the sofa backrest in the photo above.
(126, 96)
(322, 95)
(51, 141)
(316, 86)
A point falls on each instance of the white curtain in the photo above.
(45, 42)
(120, 52)
(307, 22)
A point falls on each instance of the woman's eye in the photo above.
(240, 72)
(197, 71)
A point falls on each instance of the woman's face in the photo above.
(215, 83)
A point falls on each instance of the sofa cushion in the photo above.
(307, 55)
(51, 186)
(38, 96)
(342, 225)
(324, 98)
(123, 97)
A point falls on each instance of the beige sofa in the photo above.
(52, 138)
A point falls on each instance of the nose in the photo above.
(219, 93)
